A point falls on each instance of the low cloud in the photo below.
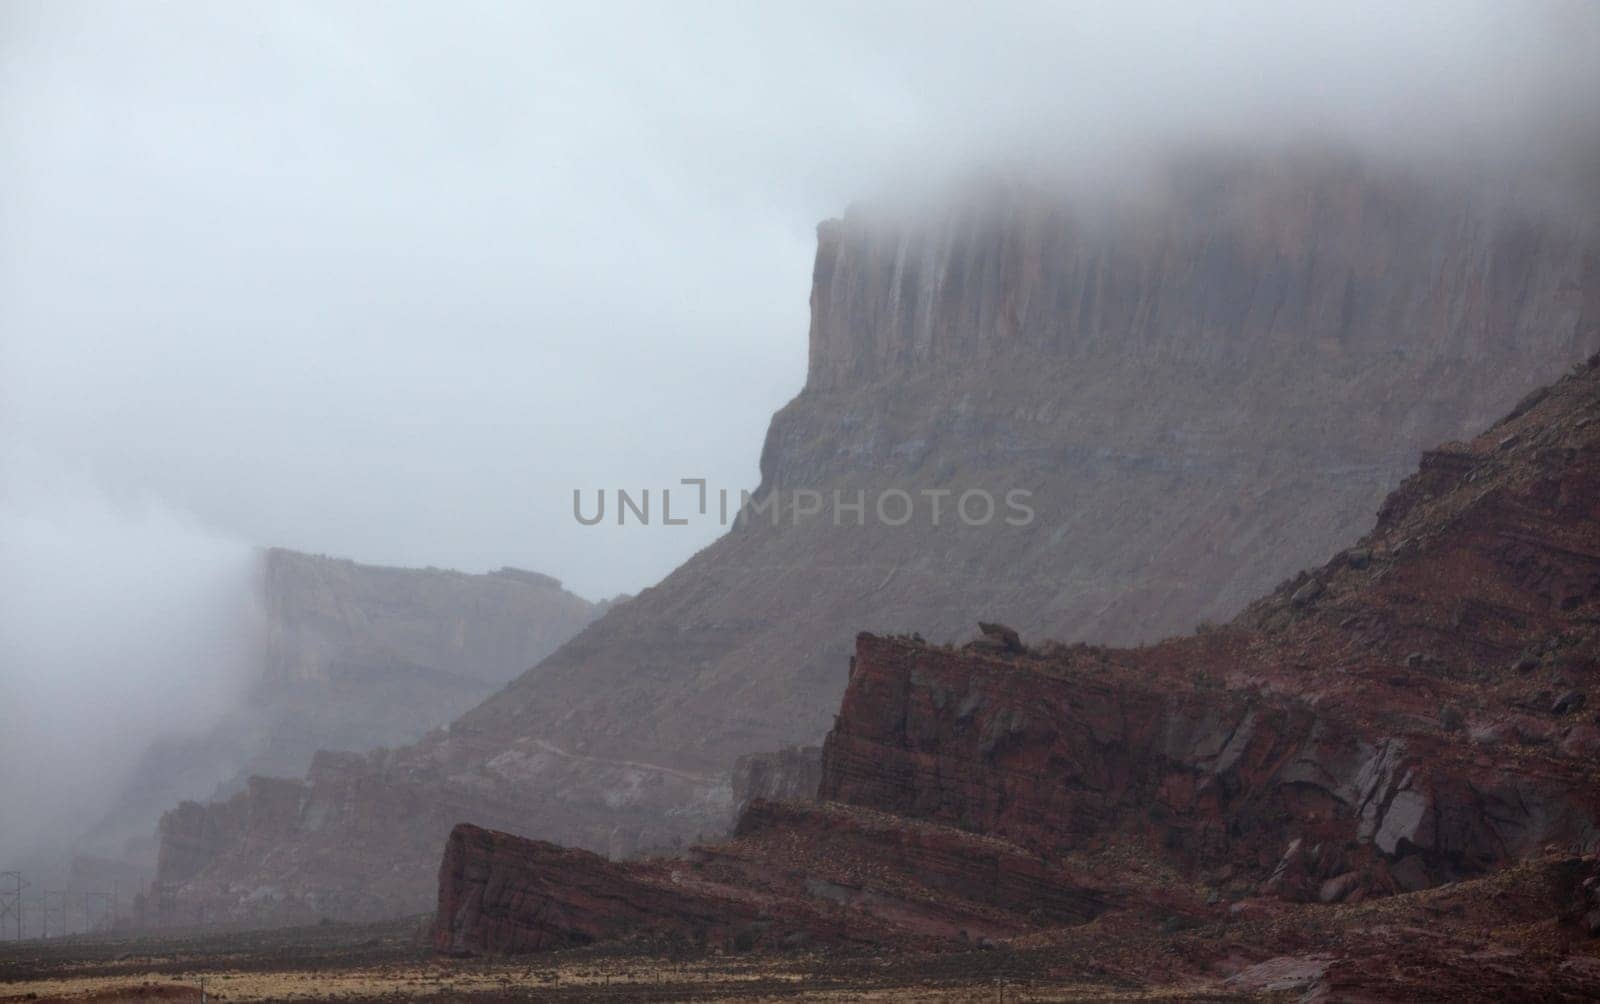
(123, 622)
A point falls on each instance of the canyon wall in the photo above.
(1308, 258)
(1205, 388)
(1410, 715)
(362, 656)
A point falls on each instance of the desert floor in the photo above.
(392, 962)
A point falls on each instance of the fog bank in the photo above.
(124, 622)
(389, 281)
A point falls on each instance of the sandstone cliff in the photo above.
(361, 656)
(1410, 715)
(352, 657)
(1205, 388)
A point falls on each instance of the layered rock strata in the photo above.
(1410, 715)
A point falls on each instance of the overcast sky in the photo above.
(389, 280)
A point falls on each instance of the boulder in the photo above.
(1005, 636)
(1568, 702)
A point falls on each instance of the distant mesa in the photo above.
(531, 578)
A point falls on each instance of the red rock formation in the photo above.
(506, 894)
(797, 874)
(1205, 391)
(1340, 743)
(1349, 723)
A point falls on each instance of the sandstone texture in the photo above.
(1205, 389)
(1274, 805)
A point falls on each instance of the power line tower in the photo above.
(53, 903)
(166, 903)
(11, 886)
(98, 908)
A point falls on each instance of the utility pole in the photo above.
(11, 886)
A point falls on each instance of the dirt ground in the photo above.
(390, 962)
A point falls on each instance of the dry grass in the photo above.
(386, 963)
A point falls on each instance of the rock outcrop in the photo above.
(1204, 390)
(796, 875)
(351, 658)
(791, 774)
(1273, 804)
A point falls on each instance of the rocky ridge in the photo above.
(1380, 779)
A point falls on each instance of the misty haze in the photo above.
(1039, 501)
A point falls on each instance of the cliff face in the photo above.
(1205, 389)
(353, 657)
(1252, 264)
(327, 617)
(1410, 715)
(360, 656)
